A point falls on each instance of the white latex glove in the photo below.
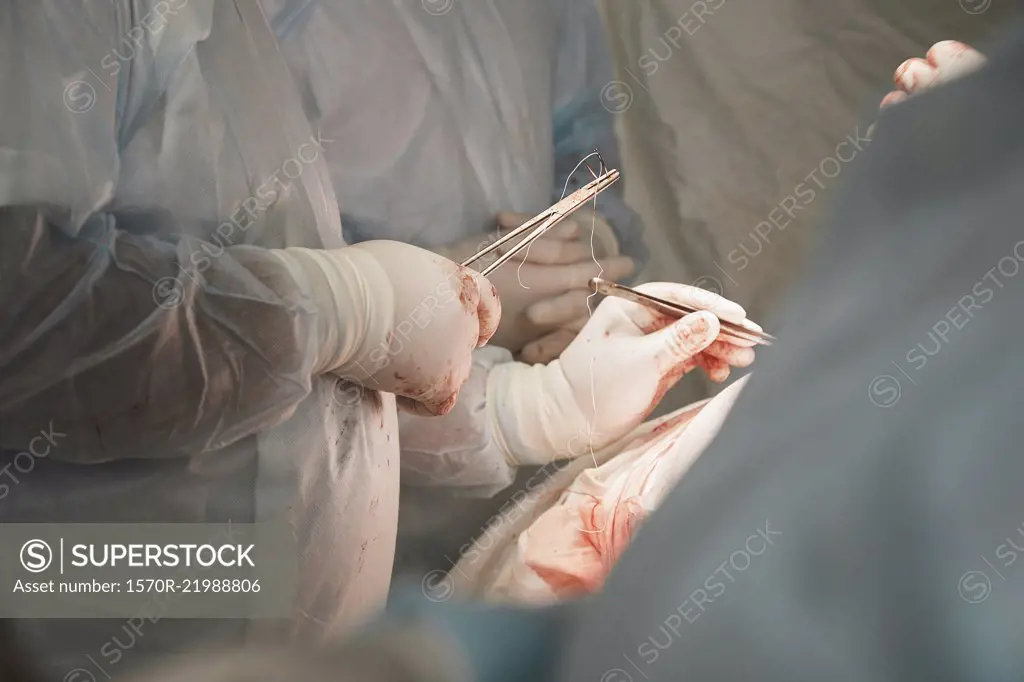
(945, 61)
(399, 319)
(570, 311)
(547, 292)
(611, 376)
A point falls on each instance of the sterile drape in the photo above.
(739, 117)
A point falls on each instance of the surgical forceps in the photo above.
(677, 310)
(544, 221)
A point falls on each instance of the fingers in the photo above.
(954, 59)
(696, 297)
(567, 230)
(558, 279)
(433, 401)
(733, 355)
(479, 295)
(410, 406)
(548, 348)
(439, 397)
(894, 97)
(433, 407)
(578, 276)
(684, 338)
(616, 269)
(560, 310)
(945, 61)
(553, 251)
(738, 341)
(717, 370)
(559, 245)
(510, 220)
(915, 75)
(578, 324)
(734, 350)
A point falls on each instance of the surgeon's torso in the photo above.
(213, 142)
(442, 109)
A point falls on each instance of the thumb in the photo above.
(684, 338)
(487, 303)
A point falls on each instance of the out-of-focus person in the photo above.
(461, 121)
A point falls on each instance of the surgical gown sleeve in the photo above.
(110, 337)
(584, 124)
(458, 450)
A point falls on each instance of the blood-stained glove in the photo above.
(548, 292)
(399, 319)
(945, 61)
(611, 376)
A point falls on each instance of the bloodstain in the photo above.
(376, 402)
(915, 74)
(667, 381)
(466, 291)
(449, 403)
(660, 321)
(669, 423)
(488, 318)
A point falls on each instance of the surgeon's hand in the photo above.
(570, 311)
(945, 61)
(612, 375)
(400, 319)
(544, 299)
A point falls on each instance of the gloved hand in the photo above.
(546, 294)
(399, 319)
(570, 311)
(611, 376)
(946, 60)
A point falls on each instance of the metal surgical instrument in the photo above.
(543, 221)
(750, 334)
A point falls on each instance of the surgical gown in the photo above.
(452, 112)
(150, 153)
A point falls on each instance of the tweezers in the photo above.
(543, 221)
(678, 310)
